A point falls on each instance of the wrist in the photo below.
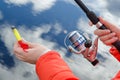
(49, 53)
(42, 54)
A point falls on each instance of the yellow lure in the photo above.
(16, 33)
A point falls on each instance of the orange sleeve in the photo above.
(52, 67)
(117, 77)
(115, 53)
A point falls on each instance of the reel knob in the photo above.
(88, 43)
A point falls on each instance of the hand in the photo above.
(106, 36)
(30, 55)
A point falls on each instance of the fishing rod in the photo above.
(95, 20)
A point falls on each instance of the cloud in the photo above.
(83, 26)
(57, 29)
(17, 2)
(37, 5)
(101, 5)
(1, 15)
(91, 4)
(114, 7)
(21, 71)
(70, 1)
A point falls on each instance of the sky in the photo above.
(48, 22)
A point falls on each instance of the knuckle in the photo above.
(95, 32)
(102, 39)
(107, 43)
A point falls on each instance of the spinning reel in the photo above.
(80, 43)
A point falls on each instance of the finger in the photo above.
(16, 45)
(107, 37)
(100, 32)
(31, 50)
(110, 41)
(90, 23)
(16, 53)
(20, 57)
(31, 45)
(96, 42)
(18, 50)
(108, 24)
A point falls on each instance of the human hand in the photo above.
(30, 55)
(106, 36)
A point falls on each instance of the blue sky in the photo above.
(47, 22)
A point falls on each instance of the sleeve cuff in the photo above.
(115, 53)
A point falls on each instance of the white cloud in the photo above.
(17, 2)
(96, 5)
(114, 7)
(101, 4)
(57, 29)
(83, 26)
(1, 15)
(70, 1)
(38, 5)
(21, 71)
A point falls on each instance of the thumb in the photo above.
(90, 23)
(30, 45)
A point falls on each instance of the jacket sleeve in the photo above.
(117, 77)
(115, 53)
(52, 67)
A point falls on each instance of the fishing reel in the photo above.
(77, 41)
(80, 43)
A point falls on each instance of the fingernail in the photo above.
(113, 33)
(108, 31)
(116, 38)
